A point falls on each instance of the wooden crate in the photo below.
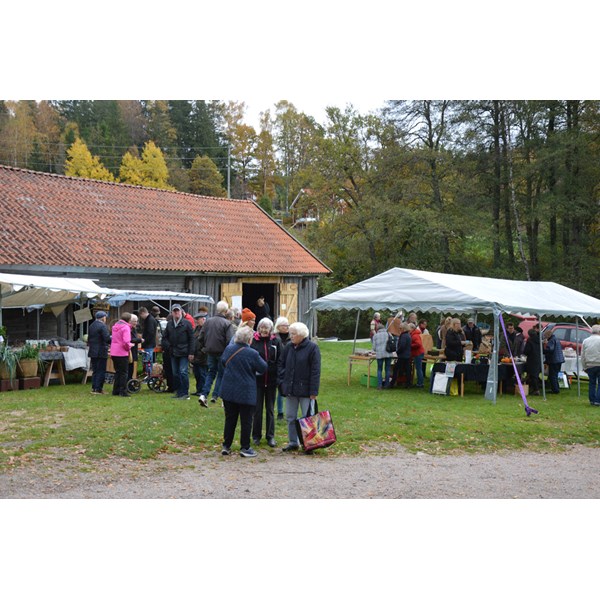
(30, 383)
(6, 385)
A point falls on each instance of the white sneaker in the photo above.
(202, 400)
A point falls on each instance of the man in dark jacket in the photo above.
(148, 335)
(554, 358)
(98, 341)
(300, 377)
(178, 339)
(472, 333)
(215, 336)
(534, 360)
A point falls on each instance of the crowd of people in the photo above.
(252, 364)
(401, 340)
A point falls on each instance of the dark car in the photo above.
(566, 333)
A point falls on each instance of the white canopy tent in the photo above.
(408, 289)
(22, 291)
(122, 296)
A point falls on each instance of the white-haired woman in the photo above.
(238, 389)
(282, 333)
(269, 348)
(300, 376)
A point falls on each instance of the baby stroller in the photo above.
(153, 376)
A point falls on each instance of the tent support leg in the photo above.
(356, 331)
(491, 389)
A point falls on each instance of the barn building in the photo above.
(137, 238)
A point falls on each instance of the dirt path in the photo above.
(572, 474)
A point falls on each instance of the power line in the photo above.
(131, 145)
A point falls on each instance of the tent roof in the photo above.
(122, 296)
(17, 291)
(409, 289)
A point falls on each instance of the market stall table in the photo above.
(59, 362)
(361, 358)
(479, 373)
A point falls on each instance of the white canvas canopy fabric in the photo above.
(122, 296)
(408, 289)
(21, 291)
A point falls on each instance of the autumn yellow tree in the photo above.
(205, 178)
(150, 170)
(81, 163)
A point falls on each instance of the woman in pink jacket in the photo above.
(120, 346)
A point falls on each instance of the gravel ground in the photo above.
(571, 474)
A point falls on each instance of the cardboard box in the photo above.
(525, 389)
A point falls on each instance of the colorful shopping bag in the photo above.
(316, 431)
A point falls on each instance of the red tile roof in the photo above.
(54, 220)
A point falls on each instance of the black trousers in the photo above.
(121, 364)
(265, 397)
(233, 411)
(99, 373)
(168, 370)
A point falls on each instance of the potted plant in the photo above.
(28, 359)
(8, 366)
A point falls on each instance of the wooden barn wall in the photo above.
(307, 292)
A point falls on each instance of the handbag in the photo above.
(316, 430)
(390, 345)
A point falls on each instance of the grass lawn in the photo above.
(35, 422)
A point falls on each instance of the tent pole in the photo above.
(542, 358)
(356, 331)
(491, 390)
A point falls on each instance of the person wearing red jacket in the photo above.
(417, 352)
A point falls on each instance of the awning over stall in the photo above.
(21, 291)
(122, 296)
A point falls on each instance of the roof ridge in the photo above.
(119, 183)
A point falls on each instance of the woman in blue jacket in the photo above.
(241, 365)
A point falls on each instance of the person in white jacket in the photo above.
(590, 361)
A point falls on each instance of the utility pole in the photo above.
(229, 170)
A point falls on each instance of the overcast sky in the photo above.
(312, 54)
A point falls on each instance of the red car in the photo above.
(565, 332)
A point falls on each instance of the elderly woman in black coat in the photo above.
(241, 365)
(300, 377)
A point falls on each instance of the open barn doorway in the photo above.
(251, 292)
